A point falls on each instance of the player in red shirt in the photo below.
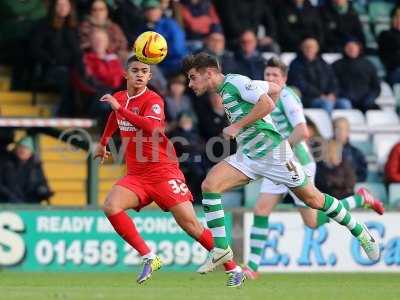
(153, 172)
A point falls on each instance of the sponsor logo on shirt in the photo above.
(126, 126)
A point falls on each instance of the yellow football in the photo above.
(150, 48)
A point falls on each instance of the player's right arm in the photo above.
(109, 130)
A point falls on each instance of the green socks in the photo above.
(215, 217)
(258, 237)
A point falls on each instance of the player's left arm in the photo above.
(294, 112)
(150, 122)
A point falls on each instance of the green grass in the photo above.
(185, 286)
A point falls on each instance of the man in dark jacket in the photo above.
(215, 45)
(350, 153)
(340, 20)
(21, 176)
(315, 79)
(298, 19)
(239, 15)
(357, 77)
(389, 48)
(249, 60)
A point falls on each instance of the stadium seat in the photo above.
(364, 146)
(330, 58)
(287, 57)
(374, 176)
(382, 144)
(380, 117)
(251, 192)
(268, 55)
(394, 194)
(322, 120)
(396, 91)
(377, 189)
(379, 11)
(375, 60)
(354, 116)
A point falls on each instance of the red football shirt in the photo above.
(141, 122)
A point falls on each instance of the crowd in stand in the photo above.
(78, 48)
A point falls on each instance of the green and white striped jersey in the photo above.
(240, 94)
(287, 114)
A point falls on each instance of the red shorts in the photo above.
(166, 193)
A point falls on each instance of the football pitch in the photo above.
(186, 286)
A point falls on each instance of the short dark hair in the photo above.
(130, 60)
(275, 62)
(199, 61)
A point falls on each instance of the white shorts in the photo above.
(267, 186)
(278, 166)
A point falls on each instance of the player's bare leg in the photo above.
(221, 177)
(332, 207)
(118, 200)
(259, 230)
(185, 216)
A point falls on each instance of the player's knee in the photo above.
(312, 223)
(110, 207)
(209, 186)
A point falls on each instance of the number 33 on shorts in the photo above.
(178, 186)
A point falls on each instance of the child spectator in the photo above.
(98, 19)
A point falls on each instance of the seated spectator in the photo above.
(315, 79)
(6, 138)
(389, 48)
(99, 19)
(238, 15)
(21, 176)
(215, 45)
(104, 72)
(350, 153)
(335, 175)
(357, 77)
(249, 60)
(177, 101)
(392, 167)
(198, 17)
(55, 48)
(170, 29)
(191, 153)
(340, 21)
(16, 21)
(297, 20)
(129, 16)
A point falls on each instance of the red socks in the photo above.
(206, 240)
(125, 227)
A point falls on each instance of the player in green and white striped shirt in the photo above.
(262, 153)
(288, 117)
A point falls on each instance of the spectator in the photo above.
(340, 20)
(6, 138)
(190, 149)
(350, 153)
(357, 77)
(99, 19)
(16, 21)
(129, 16)
(215, 45)
(176, 101)
(21, 178)
(238, 15)
(170, 29)
(249, 61)
(55, 48)
(315, 78)
(297, 20)
(335, 175)
(389, 48)
(198, 17)
(392, 167)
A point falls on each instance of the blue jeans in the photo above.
(329, 106)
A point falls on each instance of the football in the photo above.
(150, 48)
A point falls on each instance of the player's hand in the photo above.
(101, 151)
(231, 131)
(110, 99)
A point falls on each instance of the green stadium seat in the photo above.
(394, 194)
(375, 60)
(377, 189)
(379, 11)
(251, 192)
(374, 176)
(364, 146)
